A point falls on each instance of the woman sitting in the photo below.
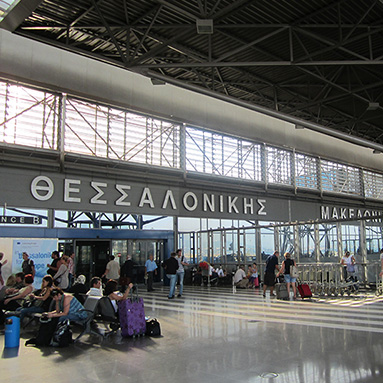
(252, 275)
(15, 301)
(40, 300)
(67, 307)
(114, 295)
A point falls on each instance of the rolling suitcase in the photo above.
(304, 290)
(132, 316)
(281, 291)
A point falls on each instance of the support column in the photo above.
(339, 244)
(51, 219)
(61, 130)
(175, 229)
(297, 244)
(363, 249)
(276, 238)
(316, 243)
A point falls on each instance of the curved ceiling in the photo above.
(318, 61)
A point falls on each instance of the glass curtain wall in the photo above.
(306, 244)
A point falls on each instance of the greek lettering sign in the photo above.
(124, 195)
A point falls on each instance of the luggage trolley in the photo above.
(379, 281)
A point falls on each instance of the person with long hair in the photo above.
(12, 303)
(40, 300)
(285, 270)
(67, 307)
(114, 295)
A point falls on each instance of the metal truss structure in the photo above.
(316, 63)
(69, 126)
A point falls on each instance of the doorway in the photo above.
(91, 258)
(140, 249)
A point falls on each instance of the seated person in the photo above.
(240, 279)
(95, 287)
(14, 283)
(14, 301)
(67, 307)
(114, 295)
(40, 299)
(252, 275)
(197, 277)
(220, 272)
(79, 289)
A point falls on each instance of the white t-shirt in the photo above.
(113, 269)
(239, 275)
(347, 260)
(95, 292)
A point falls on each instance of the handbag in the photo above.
(294, 271)
(153, 328)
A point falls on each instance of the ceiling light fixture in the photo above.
(156, 81)
(373, 106)
(204, 26)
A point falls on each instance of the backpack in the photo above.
(62, 337)
(45, 332)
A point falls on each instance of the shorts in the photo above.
(289, 279)
(269, 279)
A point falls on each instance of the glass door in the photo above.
(91, 258)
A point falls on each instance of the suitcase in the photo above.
(281, 291)
(132, 316)
(304, 290)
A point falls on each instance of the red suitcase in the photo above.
(132, 316)
(304, 290)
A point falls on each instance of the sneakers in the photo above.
(171, 297)
(179, 296)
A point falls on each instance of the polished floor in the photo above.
(218, 335)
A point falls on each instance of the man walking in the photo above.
(112, 270)
(150, 270)
(171, 266)
(182, 261)
(269, 277)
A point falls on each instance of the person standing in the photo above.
(126, 272)
(61, 279)
(71, 274)
(1, 265)
(28, 266)
(150, 271)
(171, 267)
(348, 262)
(53, 267)
(285, 270)
(182, 261)
(381, 262)
(269, 277)
(112, 270)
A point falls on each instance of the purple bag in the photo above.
(132, 317)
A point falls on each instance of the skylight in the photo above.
(6, 6)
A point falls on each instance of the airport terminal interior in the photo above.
(229, 129)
